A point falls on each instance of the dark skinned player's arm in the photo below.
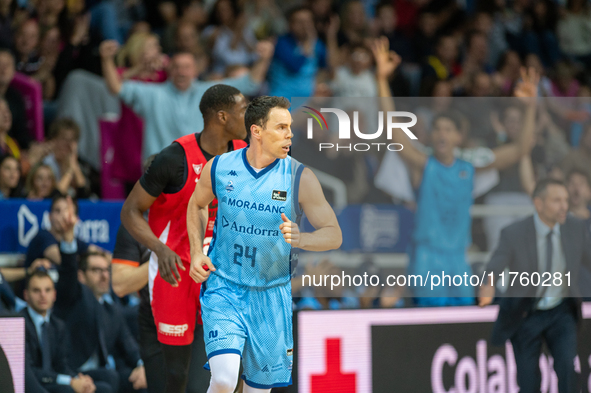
(132, 217)
(328, 235)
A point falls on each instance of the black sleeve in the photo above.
(167, 173)
(126, 247)
(68, 288)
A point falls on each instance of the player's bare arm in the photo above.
(132, 217)
(327, 235)
(197, 217)
(387, 62)
(510, 154)
(127, 279)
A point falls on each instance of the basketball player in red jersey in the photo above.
(165, 189)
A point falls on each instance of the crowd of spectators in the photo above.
(149, 61)
(321, 48)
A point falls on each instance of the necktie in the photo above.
(103, 353)
(45, 348)
(549, 252)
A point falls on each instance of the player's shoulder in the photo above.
(228, 157)
(172, 152)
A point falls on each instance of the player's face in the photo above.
(97, 275)
(41, 294)
(235, 125)
(276, 136)
(445, 137)
(553, 206)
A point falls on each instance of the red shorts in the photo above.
(175, 309)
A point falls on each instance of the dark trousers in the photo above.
(558, 328)
(151, 352)
(154, 363)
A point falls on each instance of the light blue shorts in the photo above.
(254, 323)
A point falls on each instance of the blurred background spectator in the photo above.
(9, 176)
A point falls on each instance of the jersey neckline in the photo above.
(255, 174)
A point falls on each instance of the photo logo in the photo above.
(392, 123)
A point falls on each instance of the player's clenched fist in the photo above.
(290, 231)
(197, 271)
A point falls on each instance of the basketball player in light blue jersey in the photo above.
(246, 293)
(445, 187)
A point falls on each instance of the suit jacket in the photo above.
(58, 344)
(85, 317)
(517, 251)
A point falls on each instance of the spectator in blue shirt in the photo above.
(300, 55)
(171, 109)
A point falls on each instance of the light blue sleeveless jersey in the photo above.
(247, 246)
(442, 220)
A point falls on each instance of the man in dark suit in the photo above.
(102, 345)
(549, 242)
(46, 342)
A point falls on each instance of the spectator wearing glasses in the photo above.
(104, 347)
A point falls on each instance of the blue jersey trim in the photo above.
(224, 351)
(214, 164)
(256, 175)
(296, 192)
(261, 386)
(213, 237)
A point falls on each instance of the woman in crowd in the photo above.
(9, 176)
(141, 59)
(40, 183)
(7, 144)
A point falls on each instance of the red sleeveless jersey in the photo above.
(168, 213)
